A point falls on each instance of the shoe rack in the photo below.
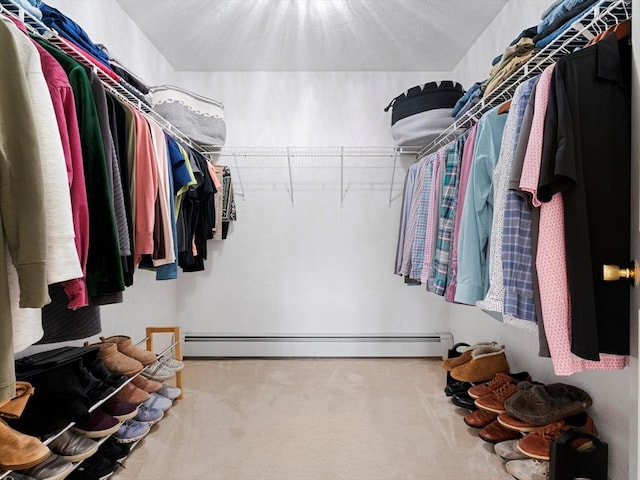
(174, 346)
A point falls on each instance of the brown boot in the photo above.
(115, 361)
(14, 407)
(485, 362)
(19, 451)
(126, 346)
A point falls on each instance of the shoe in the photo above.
(92, 386)
(537, 443)
(99, 465)
(114, 451)
(507, 421)
(456, 387)
(499, 380)
(528, 469)
(172, 363)
(99, 425)
(126, 346)
(158, 372)
(463, 400)
(146, 384)
(116, 361)
(545, 404)
(14, 407)
(72, 447)
(53, 468)
(450, 363)
(98, 370)
(496, 433)
(485, 362)
(479, 418)
(19, 451)
(508, 450)
(149, 415)
(119, 410)
(158, 401)
(169, 392)
(131, 431)
(19, 476)
(81, 474)
(132, 394)
(494, 401)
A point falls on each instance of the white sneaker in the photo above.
(170, 392)
(530, 469)
(157, 371)
(508, 451)
(171, 363)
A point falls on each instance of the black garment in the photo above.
(587, 156)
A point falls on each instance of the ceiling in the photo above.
(312, 35)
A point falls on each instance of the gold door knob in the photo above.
(613, 273)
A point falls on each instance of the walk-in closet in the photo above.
(225, 259)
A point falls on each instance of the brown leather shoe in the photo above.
(479, 418)
(537, 444)
(498, 380)
(512, 423)
(19, 451)
(495, 433)
(116, 361)
(14, 407)
(126, 346)
(132, 394)
(146, 384)
(486, 361)
(494, 401)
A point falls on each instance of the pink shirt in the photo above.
(551, 256)
(465, 168)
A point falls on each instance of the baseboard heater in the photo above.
(414, 345)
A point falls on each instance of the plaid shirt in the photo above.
(437, 281)
(417, 251)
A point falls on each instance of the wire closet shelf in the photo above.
(602, 15)
(119, 89)
(347, 169)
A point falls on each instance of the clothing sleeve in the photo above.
(21, 180)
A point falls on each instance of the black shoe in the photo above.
(80, 474)
(95, 388)
(98, 369)
(463, 400)
(99, 465)
(456, 387)
(115, 451)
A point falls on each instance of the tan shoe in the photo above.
(19, 451)
(464, 357)
(146, 384)
(485, 362)
(132, 394)
(14, 407)
(116, 361)
(126, 346)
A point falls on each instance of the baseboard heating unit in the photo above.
(406, 345)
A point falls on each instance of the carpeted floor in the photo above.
(313, 419)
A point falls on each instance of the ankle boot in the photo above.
(19, 451)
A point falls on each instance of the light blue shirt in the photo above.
(477, 211)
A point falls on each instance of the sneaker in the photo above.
(120, 410)
(170, 392)
(158, 401)
(131, 431)
(537, 444)
(80, 474)
(498, 381)
(114, 451)
(99, 465)
(508, 451)
(99, 425)
(73, 447)
(53, 468)
(158, 372)
(172, 363)
(149, 415)
(529, 469)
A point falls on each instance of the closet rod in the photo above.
(576, 37)
(36, 27)
(311, 151)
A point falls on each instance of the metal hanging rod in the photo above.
(309, 151)
(602, 15)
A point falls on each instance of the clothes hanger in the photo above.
(504, 108)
